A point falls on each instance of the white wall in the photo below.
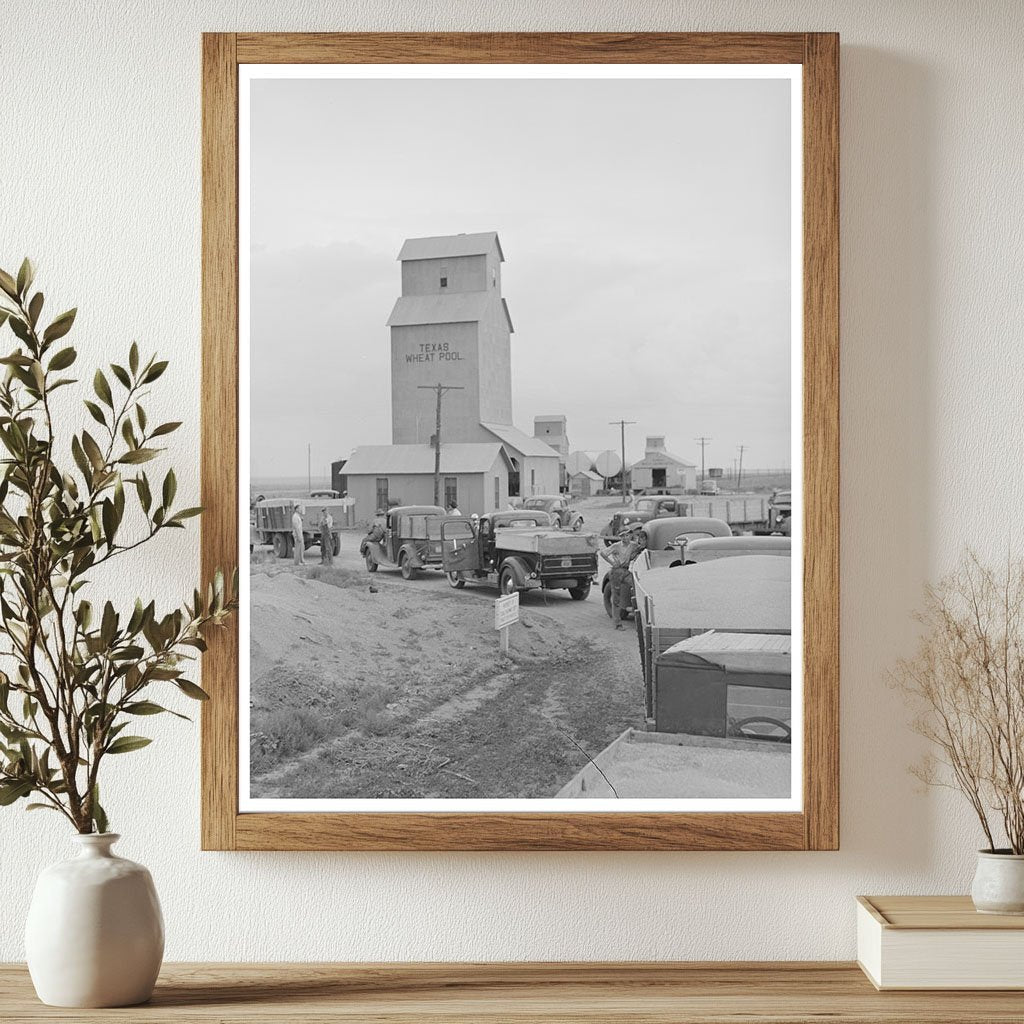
(100, 182)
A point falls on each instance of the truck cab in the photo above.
(520, 550)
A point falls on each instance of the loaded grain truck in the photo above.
(272, 522)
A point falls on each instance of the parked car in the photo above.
(667, 540)
(708, 549)
(780, 511)
(559, 506)
(409, 539)
(518, 550)
(621, 521)
(709, 487)
(660, 505)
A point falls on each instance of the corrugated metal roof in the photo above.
(522, 443)
(450, 308)
(440, 246)
(386, 459)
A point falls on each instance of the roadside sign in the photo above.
(506, 611)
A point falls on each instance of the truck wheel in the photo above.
(507, 582)
(606, 593)
(580, 593)
(578, 525)
(337, 544)
(280, 545)
(371, 563)
(455, 580)
(408, 569)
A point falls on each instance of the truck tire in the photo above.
(280, 545)
(578, 525)
(455, 580)
(508, 581)
(371, 562)
(606, 594)
(580, 593)
(407, 568)
(337, 543)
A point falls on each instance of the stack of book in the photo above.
(938, 942)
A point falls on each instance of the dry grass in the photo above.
(966, 682)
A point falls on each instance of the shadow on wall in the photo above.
(887, 282)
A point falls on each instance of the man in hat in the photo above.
(620, 556)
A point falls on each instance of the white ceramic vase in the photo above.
(95, 934)
(999, 883)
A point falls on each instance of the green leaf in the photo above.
(11, 791)
(95, 412)
(35, 307)
(145, 497)
(128, 433)
(20, 329)
(8, 284)
(121, 374)
(139, 455)
(186, 513)
(99, 816)
(41, 807)
(26, 274)
(140, 415)
(126, 744)
(102, 388)
(154, 371)
(191, 690)
(60, 326)
(133, 358)
(170, 488)
(92, 449)
(165, 428)
(63, 359)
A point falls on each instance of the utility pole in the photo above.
(441, 389)
(739, 479)
(622, 424)
(703, 442)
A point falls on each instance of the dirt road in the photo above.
(370, 686)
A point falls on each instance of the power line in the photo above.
(441, 389)
(703, 442)
(622, 424)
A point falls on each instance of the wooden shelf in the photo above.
(659, 993)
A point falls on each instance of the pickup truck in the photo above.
(271, 522)
(519, 550)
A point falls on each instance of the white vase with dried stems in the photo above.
(966, 683)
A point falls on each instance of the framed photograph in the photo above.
(520, 417)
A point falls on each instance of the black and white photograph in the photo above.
(520, 438)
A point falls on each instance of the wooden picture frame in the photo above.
(816, 827)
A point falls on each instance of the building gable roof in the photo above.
(520, 442)
(660, 457)
(451, 308)
(438, 247)
(385, 459)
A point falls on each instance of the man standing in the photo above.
(620, 556)
(298, 537)
(326, 527)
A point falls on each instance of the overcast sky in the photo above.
(645, 226)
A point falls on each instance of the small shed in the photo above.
(585, 484)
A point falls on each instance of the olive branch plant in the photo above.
(79, 673)
(966, 683)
